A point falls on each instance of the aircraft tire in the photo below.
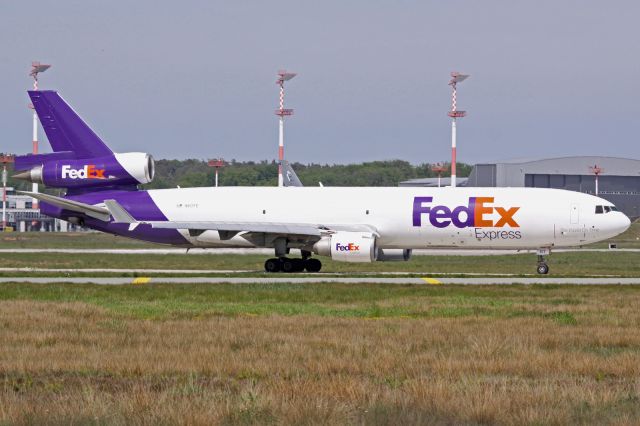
(312, 265)
(543, 268)
(272, 265)
(288, 265)
(298, 265)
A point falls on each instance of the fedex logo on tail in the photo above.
(478, 213)
(87, 172)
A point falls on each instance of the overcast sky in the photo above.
(196, 79)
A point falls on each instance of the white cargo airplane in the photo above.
(346, 224)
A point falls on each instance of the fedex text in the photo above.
(477, 213)
(87, 172)
(347, 247)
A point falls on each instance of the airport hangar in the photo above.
(618, 182)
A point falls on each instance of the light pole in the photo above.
(596, 171)
(456, 78)
(216, 163)
(4, 159)
(438, 168)
(282, 112)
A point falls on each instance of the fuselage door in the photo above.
(575, 214)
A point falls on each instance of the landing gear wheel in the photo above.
(298, 265)
(288, 265)
(312, 265)
(272, 265)
(543, 268)
(292, 265)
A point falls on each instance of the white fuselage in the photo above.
(510, 218)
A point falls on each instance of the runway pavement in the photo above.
(322, 279)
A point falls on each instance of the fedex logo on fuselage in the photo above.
(476, 214)
(87, 172)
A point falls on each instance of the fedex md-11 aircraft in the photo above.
(345, 224)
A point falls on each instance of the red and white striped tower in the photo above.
(596, 171)
(282, 112)
(456, 78)
(36, 68)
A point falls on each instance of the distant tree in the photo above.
(192, 172)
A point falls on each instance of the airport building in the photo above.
(618, 180)
(21, 216)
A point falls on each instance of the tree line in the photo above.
(192, 172)
(186, 173)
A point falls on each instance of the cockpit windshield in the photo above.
(606, 209)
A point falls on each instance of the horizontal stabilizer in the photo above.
(96, 212)
(24, 162)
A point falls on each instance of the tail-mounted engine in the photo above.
(130, 168)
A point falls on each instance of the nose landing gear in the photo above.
(543, 268)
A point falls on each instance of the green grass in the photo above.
(561, 264)
(69, 240)
(161, 301)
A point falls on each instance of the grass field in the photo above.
(319, 354)
(568, 264)
(316, 354)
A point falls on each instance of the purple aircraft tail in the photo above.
(68, 134)
(80, 160)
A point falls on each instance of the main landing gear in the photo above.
(281, 263)
(543, 268)
(285, 264)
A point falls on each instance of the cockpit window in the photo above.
(607, 209)
(599, 210)
(614, 209)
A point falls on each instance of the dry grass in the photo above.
(553, 356)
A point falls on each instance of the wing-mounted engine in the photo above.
(345, 246)
(130, 168)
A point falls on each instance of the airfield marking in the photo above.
(431, 281)
(140, 280)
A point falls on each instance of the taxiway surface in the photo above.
(328, 279)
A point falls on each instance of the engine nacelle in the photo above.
(346, 246)
(394, 255)
(130, 168)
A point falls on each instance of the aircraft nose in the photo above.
(621, 223)
(626, 222)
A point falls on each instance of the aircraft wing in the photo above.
(265, 227)
(259, 233)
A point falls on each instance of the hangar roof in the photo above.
(574, 165)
